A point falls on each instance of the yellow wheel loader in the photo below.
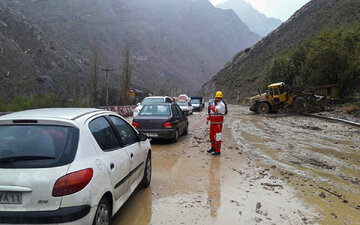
(278, 97)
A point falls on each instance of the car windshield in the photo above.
(195, 101)
(182, 103)
(155, 110)
(37, 146)
(152, 100)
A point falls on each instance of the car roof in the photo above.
(160, 103)
(158, 97)
(51, 113)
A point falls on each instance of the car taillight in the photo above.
(136, 125)
(167, 125)
(72, 182)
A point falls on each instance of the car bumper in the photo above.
(66, 216)
(158, 133)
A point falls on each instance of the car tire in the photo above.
(263, 108)
(103, 213)
(147, 173)
(176, 137)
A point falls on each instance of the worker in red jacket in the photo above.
(217, 111)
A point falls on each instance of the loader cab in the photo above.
(277, 93)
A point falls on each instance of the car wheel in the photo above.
(103, 214)
(147, 173)
(176, 137)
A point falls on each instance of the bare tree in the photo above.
(76, 86)
(94, 73)
(126, 76)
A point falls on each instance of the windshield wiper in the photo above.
(23, 157)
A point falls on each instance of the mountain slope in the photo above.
(243, 74)
(30, 62)
(256, 21)
(173, 43)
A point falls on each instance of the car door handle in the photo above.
(131, 155)
(112, 165)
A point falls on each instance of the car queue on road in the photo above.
(162, 119)
(79, 165)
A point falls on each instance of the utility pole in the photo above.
(107, 71)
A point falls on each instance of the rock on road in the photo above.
(274, 169)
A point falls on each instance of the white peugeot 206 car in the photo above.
(69, 166)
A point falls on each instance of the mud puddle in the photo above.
(318, 159)
(190, 186)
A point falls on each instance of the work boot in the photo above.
(212, 149)
(216, 153)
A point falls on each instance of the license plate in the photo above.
(152, 135)
(10, 197)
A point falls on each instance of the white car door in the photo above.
(136, 149)
(115, 158)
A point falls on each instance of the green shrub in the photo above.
(331, 57)
(39, 101)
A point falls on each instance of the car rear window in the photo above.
(37, 146)
(183, 103)
(152, 100)
(155, 110)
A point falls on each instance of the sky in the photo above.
(281, 9)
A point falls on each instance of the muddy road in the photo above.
(274, 169)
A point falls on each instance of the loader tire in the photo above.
(263, 108)
(299, 105)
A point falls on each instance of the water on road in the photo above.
(273, 170)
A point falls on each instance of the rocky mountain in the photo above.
(175, 44)
(241, 77)
(30, 61)
(256, 21)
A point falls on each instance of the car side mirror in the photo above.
(143, 137)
